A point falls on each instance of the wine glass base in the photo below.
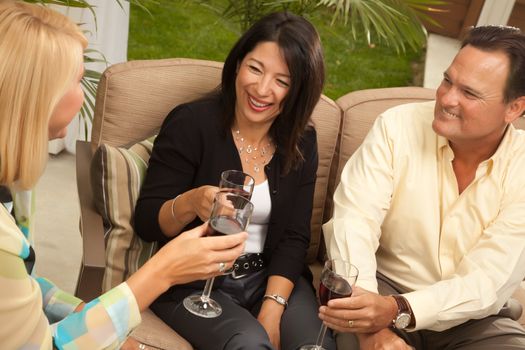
(198, 305)
(312, 347)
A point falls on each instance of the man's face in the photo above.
(470, 110)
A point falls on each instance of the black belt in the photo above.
(247, 264)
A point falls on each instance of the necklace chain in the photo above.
(258, 156)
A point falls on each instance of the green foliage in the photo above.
(396, 23)
(186, 30)
(91, 78)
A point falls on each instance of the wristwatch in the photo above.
(277, 298)
(404, 317)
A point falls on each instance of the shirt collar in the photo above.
(503, 148)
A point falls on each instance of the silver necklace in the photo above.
(256, 156)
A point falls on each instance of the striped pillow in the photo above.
(116, 176)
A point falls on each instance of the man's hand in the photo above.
(368, 312)
(385, 339)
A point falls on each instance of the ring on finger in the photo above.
(350, 323)
(142, 346)
(222, 267)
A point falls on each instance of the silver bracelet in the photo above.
(173, 207)
(277, 298)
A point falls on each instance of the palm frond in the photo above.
(68, 3)
(142, 4)
(395, 22)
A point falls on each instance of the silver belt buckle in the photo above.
(235, 275)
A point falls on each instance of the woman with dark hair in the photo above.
(257, 121)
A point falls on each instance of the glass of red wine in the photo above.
(337, 279)
(230, 214)
(238, 182)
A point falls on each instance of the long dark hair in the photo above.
(301, 47)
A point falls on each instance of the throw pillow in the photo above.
(116, 175)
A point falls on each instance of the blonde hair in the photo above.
(40, 58)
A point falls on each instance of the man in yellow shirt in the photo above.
(431, 209)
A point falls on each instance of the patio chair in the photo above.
(132, 100)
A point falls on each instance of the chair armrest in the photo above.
(89, 285)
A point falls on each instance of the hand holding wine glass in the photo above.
(337, 280)
(230, 214)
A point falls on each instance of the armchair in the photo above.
(132, 100)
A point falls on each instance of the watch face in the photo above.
(402, 321)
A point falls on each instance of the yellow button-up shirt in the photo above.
(397, 210)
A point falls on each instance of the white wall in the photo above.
(441, 50)
(110, 36)
(495, 12)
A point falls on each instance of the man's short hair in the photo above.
(509, 40)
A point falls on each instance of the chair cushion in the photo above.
(117, 174)
(155, 334)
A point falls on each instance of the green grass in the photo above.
(189, 30)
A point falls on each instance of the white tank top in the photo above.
(258, 227)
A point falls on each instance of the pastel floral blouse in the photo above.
(36, 314)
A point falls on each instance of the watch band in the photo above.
(277, 298)
(404, 308)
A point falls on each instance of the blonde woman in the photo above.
(40, 71)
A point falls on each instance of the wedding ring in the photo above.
(222, 267)
(142, 346)
(350, 323)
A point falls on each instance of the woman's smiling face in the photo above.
(262, 82)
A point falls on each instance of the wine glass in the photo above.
(230, 214)
(238, 182)
(337, 279)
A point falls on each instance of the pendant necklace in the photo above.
(254, 156)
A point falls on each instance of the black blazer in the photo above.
(192, 150)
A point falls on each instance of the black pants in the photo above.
(237, 327)
(490, 333)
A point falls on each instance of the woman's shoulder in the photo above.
(309, 138)
(195, 114)
(200, 109)
(12, 240)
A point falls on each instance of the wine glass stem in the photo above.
(320, 337)
(207, 289)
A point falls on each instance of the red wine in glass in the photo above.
(223, 225)
(334, 289)
(230, 213)
(337, 278)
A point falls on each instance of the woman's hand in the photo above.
(176, 213)
(190, 256)
(132, 344)
(186, 258)
(385, 339)
(202, 200)
(271, 311)
(368, 312)
(270, 318)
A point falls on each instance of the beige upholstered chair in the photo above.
(132, 100)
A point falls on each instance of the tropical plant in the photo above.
(91, 77)
(396, 23)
